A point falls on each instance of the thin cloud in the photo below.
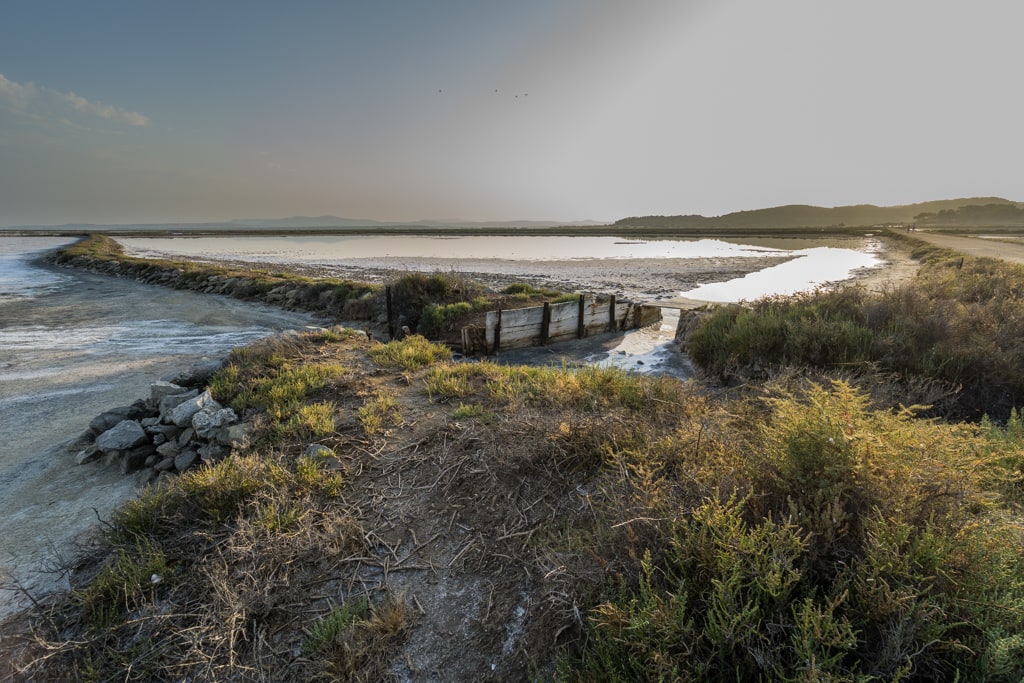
(17, 96)
(27, 97)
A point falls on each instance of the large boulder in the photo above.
(212, 452)
(183, 412)
(124, 435)
(110, 418)
(208, 421)
(157, 390)
(186, 459)
(169, 403)
(235, 435)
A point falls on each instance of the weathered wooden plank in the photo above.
(564, 321)
(595, 312)
(581, 329)
(537, 325)
(514, 328)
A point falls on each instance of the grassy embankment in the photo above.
(435, 305)
(958, 325)
(474, 520)
(577, 525)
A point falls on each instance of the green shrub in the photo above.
(438, 319)
(412, 353)
(473, 411)
(379, 413)
(130, 578)
(328, 632)
(958, 326)
(853, 545)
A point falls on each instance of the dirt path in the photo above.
(975, 246)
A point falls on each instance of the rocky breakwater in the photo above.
(178, 427)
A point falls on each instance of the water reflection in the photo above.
(811, 268)
(326, 248)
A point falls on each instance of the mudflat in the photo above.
(71, 354)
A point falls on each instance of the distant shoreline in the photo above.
(562, 231)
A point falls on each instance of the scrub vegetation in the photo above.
(555, 524)
(397, 515)
(958, 324)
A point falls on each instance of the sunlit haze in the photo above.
(565, 110)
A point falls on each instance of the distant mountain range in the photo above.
(971, 211)
(967, 211)
(336, 222)
(297, 223)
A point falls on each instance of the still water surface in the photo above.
(814, 261)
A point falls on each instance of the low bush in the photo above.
(409, 354)
(820, 541)
(379, 413)
(957, 323)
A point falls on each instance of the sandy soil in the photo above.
(1004, 249)
(897, 266)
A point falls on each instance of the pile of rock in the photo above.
(176, 428)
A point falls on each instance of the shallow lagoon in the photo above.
(813, 261)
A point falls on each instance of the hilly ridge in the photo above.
(807, 216)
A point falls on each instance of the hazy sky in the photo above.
(477, 109)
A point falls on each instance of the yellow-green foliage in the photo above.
(329, 630)
(263, 377)
(450, 381)
(280, 394)
(308, 421)
(473, 411)
(585, 388)
(212, 494)
(438, 319)
(312, 473)
(412, 353)
(379, 413)
(524, 292)
(958, 322)
(820, 541)
(94, 246)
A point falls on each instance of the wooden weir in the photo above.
(515, 328)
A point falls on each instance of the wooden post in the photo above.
(580, 329)
(611, 314)
(391, 320)
(545, 324)
(497, 332)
